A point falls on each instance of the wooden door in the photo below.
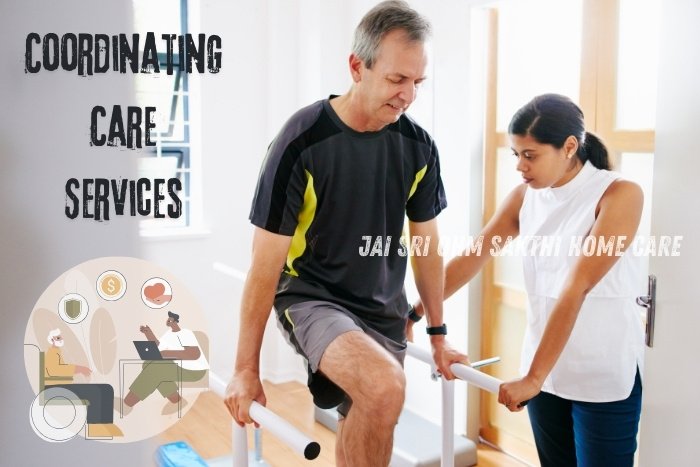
(582, 49)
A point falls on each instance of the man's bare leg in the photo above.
(339, 451)
(375, 382)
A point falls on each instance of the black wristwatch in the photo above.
(412, 315)
(437, 330)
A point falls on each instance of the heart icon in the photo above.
(154, 291)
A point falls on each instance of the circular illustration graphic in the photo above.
(111, 285)
(107, 366)
(156, 292)
(73, 308)
(57, 414)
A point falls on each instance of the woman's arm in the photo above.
(504, 223)
(618, 214)
(461, 269)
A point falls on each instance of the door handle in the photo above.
(649, 301)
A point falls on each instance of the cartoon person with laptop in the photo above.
(176, 356)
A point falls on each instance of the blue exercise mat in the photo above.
(178, 454)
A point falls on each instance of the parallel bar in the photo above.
(285, 432)
(464, 372)
(229, 271)
(240, 445)
(477, 378)
(279, 428)
(447, 458)
(419, 353)
(468, 374)
(486, 361)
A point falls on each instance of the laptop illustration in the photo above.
(148, 350)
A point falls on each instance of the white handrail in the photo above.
(240, 445)
(285, 432)
(229, 271)
(463, 372)
(267, 419)
(447, 456)
(279, 428)
(310, 449)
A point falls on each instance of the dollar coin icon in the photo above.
(111, 285)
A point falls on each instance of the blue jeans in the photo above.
(586, 434)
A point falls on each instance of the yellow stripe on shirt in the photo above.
(419, 177)
(306, 217)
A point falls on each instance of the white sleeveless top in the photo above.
(600, 359)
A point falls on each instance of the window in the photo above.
(170, 94)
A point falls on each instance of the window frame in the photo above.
(182, 148)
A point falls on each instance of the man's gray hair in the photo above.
(382, 19)
(52, 334)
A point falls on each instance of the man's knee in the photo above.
(367, 372)
(388, 382)
(382, 388)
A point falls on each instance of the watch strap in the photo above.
(412, 315)
(437, 330)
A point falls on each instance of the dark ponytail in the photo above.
(551, 119)
(595, 151)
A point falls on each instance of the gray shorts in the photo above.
(310, 327)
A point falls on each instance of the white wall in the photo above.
(44, 142)
(278, 56)
(667, 433)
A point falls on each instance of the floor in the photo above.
(197, 429)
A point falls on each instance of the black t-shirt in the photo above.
(332, 188)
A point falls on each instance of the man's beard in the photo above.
(59, 344)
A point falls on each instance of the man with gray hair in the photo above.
(59, 374)
(341, 171)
